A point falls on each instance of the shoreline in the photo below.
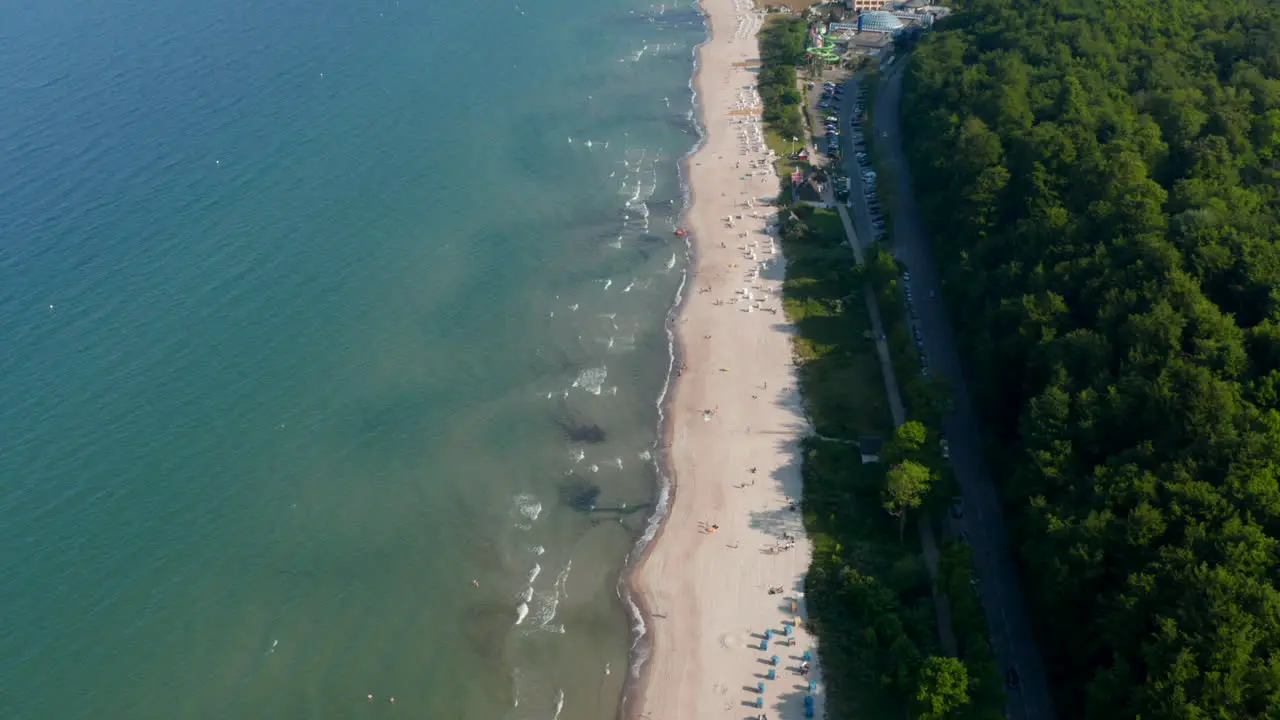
(636, 685)
(656, 650)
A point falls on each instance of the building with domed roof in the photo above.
(879, 21)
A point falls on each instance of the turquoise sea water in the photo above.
(310, 312)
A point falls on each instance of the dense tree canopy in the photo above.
(943, 690)
(1102, 178)
(781, 50)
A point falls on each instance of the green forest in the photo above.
(1101, 179)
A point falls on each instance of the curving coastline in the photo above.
(698, 594)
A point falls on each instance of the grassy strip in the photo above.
(783, 147)
(926, 399)
(885, 276)
(868, 592)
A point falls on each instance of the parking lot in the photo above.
(825, 99)
(858, 190)
(862, 197)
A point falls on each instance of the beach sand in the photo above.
(735, 407)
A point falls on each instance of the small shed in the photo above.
(870, 446)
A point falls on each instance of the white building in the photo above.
(861, 5)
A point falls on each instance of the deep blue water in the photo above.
(299, 302)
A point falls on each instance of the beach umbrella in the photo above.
(774, 659)
(768, 634)
(771, 675)
(807, 657)
(760, 702)
(764, 644)
(813, 686)
(786, 629)
(760, 688)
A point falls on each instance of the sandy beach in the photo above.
(722, 579)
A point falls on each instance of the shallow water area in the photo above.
(332, 335)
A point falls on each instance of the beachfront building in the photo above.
(862, 5)
(866, 43)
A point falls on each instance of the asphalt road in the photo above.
(1011, 634)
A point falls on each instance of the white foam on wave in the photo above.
(528, 506)
(559, 704)
(537, 550)
(638, 629)
(533, 574)
(592, 380)
(562, 579)
(577, 454)
(542, 605)
(522, 611)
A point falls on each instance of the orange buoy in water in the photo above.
(680, 232)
